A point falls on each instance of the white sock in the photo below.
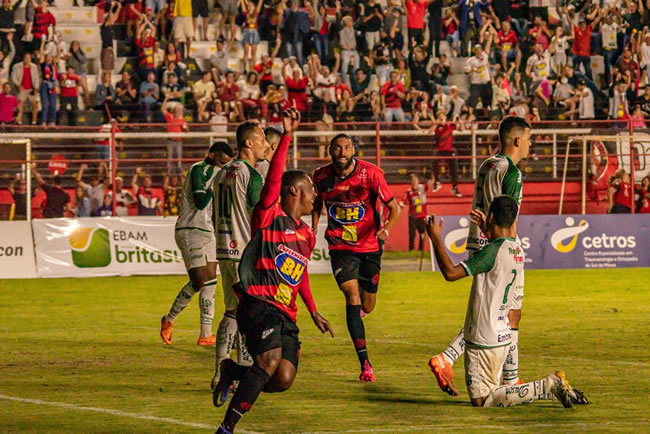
(226, 335)
(206, 306)
(455, 348)
(511, 366)
(507, 396)
(182, 300)
(243, 356)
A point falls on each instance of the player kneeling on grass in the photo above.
(497, 269)
(273, 271)
(196, 240)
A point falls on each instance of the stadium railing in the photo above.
(560, 152)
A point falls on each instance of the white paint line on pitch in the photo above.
(116, 413)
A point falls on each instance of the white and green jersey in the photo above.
(497, 176)
(236, 190)
(193, 215)
(262, 168)
(498, 271)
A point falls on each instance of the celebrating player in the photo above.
(236, 191)
(273, 136)
(498, 274)
(497, 176)
(273, 272)
(349, 188)
(196, 241)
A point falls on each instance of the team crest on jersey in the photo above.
(346, 213)
(291, 265)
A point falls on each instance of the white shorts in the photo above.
(484, 369)
(197, 247)
(183, 28)
(229, 276)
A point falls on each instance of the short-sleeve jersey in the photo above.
(497, 176)
(274, 262)
(351, 205)
(237, 188)
(199, 180)
(498, 270)
(540, 65)
(262, 168)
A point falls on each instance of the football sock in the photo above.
(507, 396)
(236, 370)
(511, 366)
(243, 356)
(455, 348)
(206, 305)
(357, 331)
(182, 300)
(226, 335)
(249, 389)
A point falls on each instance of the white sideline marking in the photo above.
(116, 413)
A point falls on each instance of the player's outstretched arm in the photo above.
(305, 293)
(450, 271)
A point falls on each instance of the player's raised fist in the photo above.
(434, 228)
(479, 219)
(290, 120)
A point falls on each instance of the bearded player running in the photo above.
(497, 176)
(273, 271)
(195, 238)
(350, 189)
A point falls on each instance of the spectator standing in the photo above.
(145, 37)
(105, 96)
(26, 77)
(295, 27)
(321, 29)
(8, 21)
(435, 26)
(43, 20)
(372, 18)
(228, 14)
(123, 198)
(538, 66)
(219, 59)
(175, 124)
(106, 209)
(56, 199)
(297, 89)
(451, 31)
(69, 82)
(393, 93)
(200, 10)
(618, 104)
(507, 46)
(149, 96)
(81, 203)
(584, 98)
(620, 194)
(96, 189)
(416, 198)
(348, 42)
(323, 79)
(415, 12)
(183, 27)
(456, 103)
(250, 34)
(381, 56)
(106, 33)
(478, 67)
(173, 191)
(18, 190)
(582, 44)
(609, 34)
(444, 134)
(7, 59)
(76, 59)
(8, 105)
(48, 89)
(148, 203)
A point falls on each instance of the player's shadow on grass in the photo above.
(385, 393)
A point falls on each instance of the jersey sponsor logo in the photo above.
(289, 232)
(290, 264)
(350, 234)
(267, 332)
(565, 240)
(233, 244)
(346, 213)
(283, 294)
(454, 238)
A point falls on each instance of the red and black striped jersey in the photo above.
(273, 266)
(351, 204)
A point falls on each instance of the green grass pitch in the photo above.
(78, 349)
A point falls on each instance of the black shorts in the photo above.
(266, 328)
(200, 8)
(364, 267)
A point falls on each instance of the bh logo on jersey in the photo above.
(564, 240)
(90, 247)
(346, 214)
(290, 264)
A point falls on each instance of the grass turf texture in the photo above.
(95, 343)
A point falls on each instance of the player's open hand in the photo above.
(434, 228)
(479, 219)
(290, 120)
(322, 324)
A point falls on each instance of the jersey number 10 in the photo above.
(225, 203)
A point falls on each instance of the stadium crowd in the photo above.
(440, 64)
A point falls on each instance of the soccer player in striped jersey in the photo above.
(498, 272)
(497, 176)
(195, 238)
(273, 272)
(273, 136)
(351, 190)
(236, 191)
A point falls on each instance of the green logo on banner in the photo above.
(90, 247)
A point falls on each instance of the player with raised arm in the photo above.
(351, 190)
(498, 273)
(236, 191)
(195, 238)
(273, 272)
(273, 136)
(497, 176)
